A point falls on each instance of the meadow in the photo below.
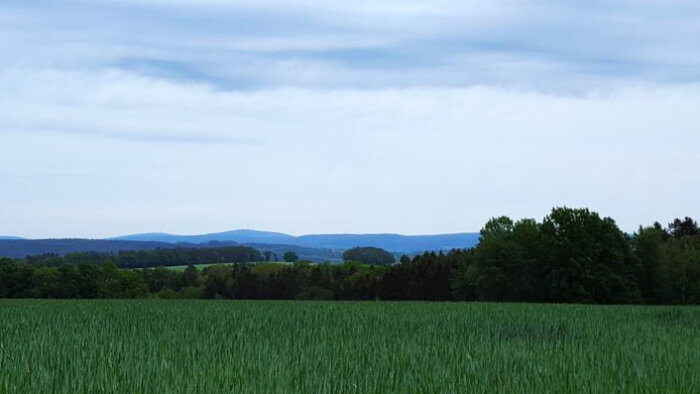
(198, 266)
(274, 265)
(373, 347)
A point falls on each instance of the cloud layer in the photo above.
(413, 117)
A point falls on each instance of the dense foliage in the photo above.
(154, 258)
(572, 256)
(369, 255)
(290, 257)
(576, 256)
(326, 347)
(21, 248)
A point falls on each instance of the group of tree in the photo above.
(84, 280)
(154, 258)
(575, 256)
(426, 277)
(369, 255)
(571, 256)
(288, 256)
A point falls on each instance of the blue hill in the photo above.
(393, 242)
(20, 248)
(5, 237)
(239, 236)
(316, 247)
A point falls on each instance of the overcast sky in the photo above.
(417, 117)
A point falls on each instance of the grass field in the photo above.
(309, 347)
(198, 266)
(203, 266)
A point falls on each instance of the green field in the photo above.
(373, 347)
(203, 266)
(198, 266)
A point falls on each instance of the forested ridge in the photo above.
(153, 258)
(21, 248)
(571, 256)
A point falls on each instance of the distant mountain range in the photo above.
(240, 236)
(317, 247)
(391, 242)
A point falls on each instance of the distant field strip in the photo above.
(329, 347)
(198, 266)
(268, 265)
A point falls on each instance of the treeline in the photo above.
(426, 277)
(575, 256)
(153, 258)
(572, 255)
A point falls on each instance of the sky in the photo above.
(414, 117)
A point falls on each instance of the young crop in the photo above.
(316, 347)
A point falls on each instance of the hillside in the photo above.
(20, 248)
(315, 247)
(393, 242)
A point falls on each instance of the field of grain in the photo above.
(311, 347)
(260, 265)
(198, 266)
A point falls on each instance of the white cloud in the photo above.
(83, 146)
(549, 46)
(124, 116)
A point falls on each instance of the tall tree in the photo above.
(683, 228)
(290, 257)
(589, 259)
(503, 265)
(647, 244)
(680, 269)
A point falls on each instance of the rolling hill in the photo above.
(20, 248)
(393, 242)
(315, 247)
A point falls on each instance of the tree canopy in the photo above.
(290, 257)
(683, 228)
(369, 255)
